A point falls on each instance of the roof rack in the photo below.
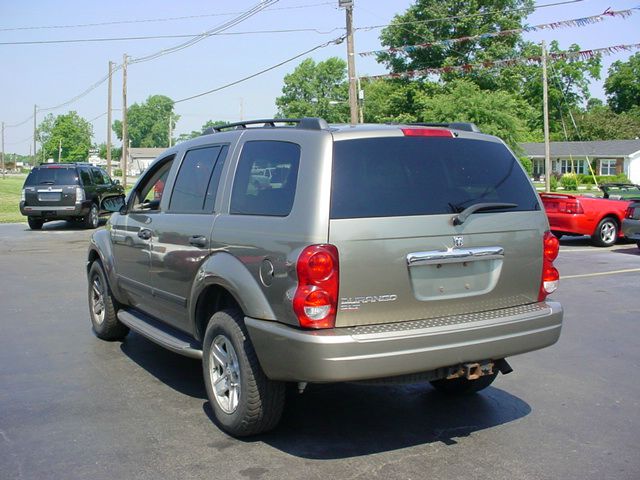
(465, 126)
(306, 123)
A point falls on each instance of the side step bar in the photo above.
(161, 334)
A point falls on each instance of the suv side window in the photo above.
(86, 177)
(146, 197)
(265, 180)
(197, 181)
(98, 178)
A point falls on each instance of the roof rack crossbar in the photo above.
(306, 123)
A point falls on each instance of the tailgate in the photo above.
(402, 258)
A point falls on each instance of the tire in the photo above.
(250, 403)
(606, 233)
(556, 234)
(463, 386)
(35, 223)
(102, 307)
(92, 219)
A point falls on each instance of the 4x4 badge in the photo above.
(458, 241)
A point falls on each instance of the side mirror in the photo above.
(116, 182)
(115, 204)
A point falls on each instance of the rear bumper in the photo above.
(631, 228)
(76, 210)
(379, 351)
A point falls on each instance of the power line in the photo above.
(217, 89)
(158, 37)
(225, 26)
(28, 139)
(155, 20)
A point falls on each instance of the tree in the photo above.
(116, 152)
(602, 123)
(148, 122)
(396, 100)
(496, 113)
(196, 133)
(568, 85)
(623, 84)
(316, 90)
(70, 131)
(433, 20)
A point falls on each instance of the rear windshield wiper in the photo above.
(476, 207)
(47, 182)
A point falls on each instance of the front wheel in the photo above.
(462, 385)
(244, 401)
(606, 233)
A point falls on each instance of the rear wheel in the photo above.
(102, 308)
(606, 233)
(92, 219)
(462, 385)
(244, 401)
(35, 223)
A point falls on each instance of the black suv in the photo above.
(67, 191)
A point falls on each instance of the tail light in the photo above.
(628, 214)
(550, 277)
(570, 206)
(316, 298)
(80, 195)
(427, 132)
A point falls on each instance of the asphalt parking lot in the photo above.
(75, 407)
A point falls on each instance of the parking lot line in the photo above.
(613, 272)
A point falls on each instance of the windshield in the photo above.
(52, 176)
(621, 192)
(402, 176)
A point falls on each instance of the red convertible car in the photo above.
(599, 217)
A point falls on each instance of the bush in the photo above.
(553, 183)
(117, 172)
(527, 164)
(569, 181)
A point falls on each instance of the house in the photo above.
(607, 157)
(139, 159)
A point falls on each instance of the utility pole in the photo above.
(109, 121)
(545, 110)
(59, 150)
(170, 129)
(34, 135)
(2, 150)
(351, 66)
(125, 132)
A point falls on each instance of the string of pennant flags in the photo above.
(508, 62)
(576, 22)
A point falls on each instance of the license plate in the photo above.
(49, 197)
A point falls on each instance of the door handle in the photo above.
(199, 241)
(145, 233)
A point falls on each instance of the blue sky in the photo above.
(50, 74)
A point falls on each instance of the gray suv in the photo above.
(293, 251)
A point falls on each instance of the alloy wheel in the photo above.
(224, 371)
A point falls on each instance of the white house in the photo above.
(607, 157)
(139, 159)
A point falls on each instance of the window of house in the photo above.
(265, 180)
(607, 167)
(197, 181)
(572, 166)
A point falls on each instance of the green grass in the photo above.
(10, 189)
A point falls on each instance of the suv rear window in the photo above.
(403, 176)
(52, 176)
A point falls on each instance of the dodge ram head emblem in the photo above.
(458, 241)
